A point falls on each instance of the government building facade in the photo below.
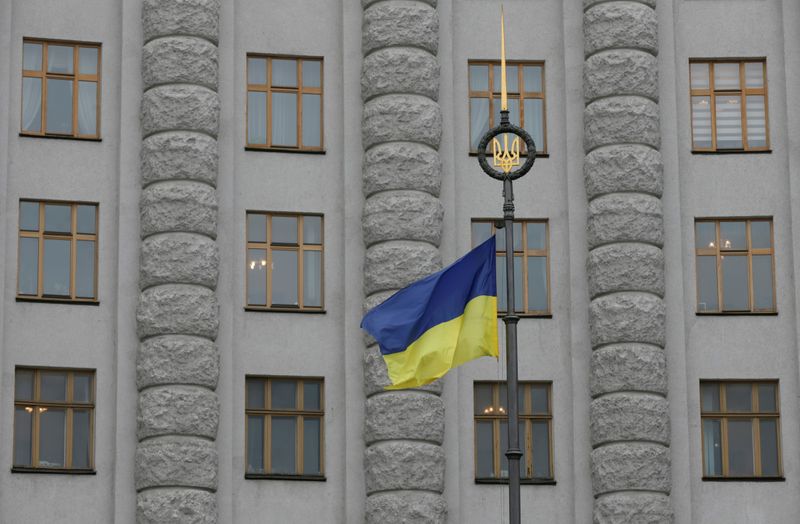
(200, 200)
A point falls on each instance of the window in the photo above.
(53, 419)
(57, 251)
(284, 261)
(284, 427)
(60, 89)
(535, 431)
(531, 264)
(526, 102)
(735, 266)
(284, 103)
(729, 105)
(741, 429)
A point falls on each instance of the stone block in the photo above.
(176, 506)
(178, 206)
(621, 119)
(623, 168)
(403, 464)
(177, 359)
(589, 3)
(407, 507)
(635, 466)
(176, 461)
(620, 24)
(178, 258)
(396, 264)
(177, 410)
(179, 155)
(629, 416)
(627, 317)
(628, 367)
(407, 118)
(177, 309)
(402, 165)
(620, 72)
(376, 378)
(179, 59)
(402, 215)
(400, 70)
(367, 3)
(641, 508)
(625, 217)
(400, 23)
(625, 267)
(180, 107)
(397, 415)
(181, 17)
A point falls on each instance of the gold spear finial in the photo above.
(503, 89)
(504, 157)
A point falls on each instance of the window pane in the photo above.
(709, 394)
(53, 386)
(87, 108)
(532, 78)
(311, 73)
(513, 115)
(512, 78)
(754, 74)
(712, 448)
(57, 218)
(312, 118)
(503, 447)
(502, 397)
(518, 285)
(523, 446)
(255, 444)
(256, 71)
(732, 235)
(540, 404)
(56, 267)
(502, 299)
(740, 447)
(769, 447)
(284, 230)
(312, 230)
(537, 237)
(311, 446)
(82, 388)
(699, 76)
(29, 216)
(521, 405)
(84, 269)
(541, 450)
(28, 266)
(481, 231)
(59, 59)
(52, 441)
(284, 278)
(478, 78)
(87, 223)
(701, 121)
(761, 234)
(483, 442)
(707, 297)
(729, 122)
(31, 57)
(283, 445)
(257, 277)
(483, 399)
(726, 76)
(59, 106)
(255, 393)
(81, 426)
(763, 297)
(766, 398)
(478, 120)
(256, 117)
(735, 283)
(738, 397)
(23, 384)
(284, 394)
(87, 60)
(256, 227)
(705, 235)
(311, 396)
(312, 278)
(756, 121)
(284, 72)
(534, 121)
(32, 104)
(23, 431)
(517, 236)
(537, 284)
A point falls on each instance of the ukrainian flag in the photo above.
(439, 322)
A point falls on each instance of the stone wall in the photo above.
(402, 226)
(178, 314)
(629, 415)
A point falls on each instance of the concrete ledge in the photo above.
(400, 465)
(400, 70)
(402, 165)
(408, 215)
(400, 23)
(177, 359)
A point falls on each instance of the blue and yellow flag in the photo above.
(439, 322)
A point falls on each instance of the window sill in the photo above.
(744, 479)
(53, 471)
(530, 482)
(63, 137)
(267, 476)
(736, 313)
(732, 152)
(49, 300)
(285, 150)
(538, 155)
(285, 310)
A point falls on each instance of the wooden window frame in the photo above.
(300, 247)
(73, 236)
(525, 253)
(300, 413)
(755, 416)
(743, 92)
(749, 252)
(522, 95)
(76, 77)
(300, 90)
(527, 417)
(36, 407)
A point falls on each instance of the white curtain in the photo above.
(87, 105)
(256, 118)
(479, 120)
(32, 104)
(284, 119)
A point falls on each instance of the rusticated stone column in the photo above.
(402, 227)
(629, 413)
(178, 314)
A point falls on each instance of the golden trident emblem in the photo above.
(503, 157)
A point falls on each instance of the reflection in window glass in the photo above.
(23, 384)
(23, 435)
(82, 388)
(478, 78)
(761, 234)
(707, 299)
(284, 278)
(255, 394)
(87, 222)
(81, 427)
(312, 230)
(29, 216)
(256, 71)
(709, 394)
(738, 397)
(284, 394)
(256, 228)
(532, 78)
(769, 447)
(311, 396)
(485, 466)
(257, 277)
